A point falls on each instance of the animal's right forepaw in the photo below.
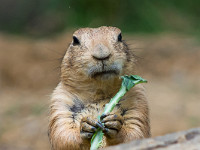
(88, 128)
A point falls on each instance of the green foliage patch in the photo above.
(44, 17)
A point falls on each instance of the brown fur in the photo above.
(80, 95)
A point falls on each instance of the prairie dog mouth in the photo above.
(97, 71)
(103, 73)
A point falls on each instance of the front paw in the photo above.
(88, 127)
(113, 124)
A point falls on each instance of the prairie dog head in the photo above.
(96, 54)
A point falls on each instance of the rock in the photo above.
(185, 140)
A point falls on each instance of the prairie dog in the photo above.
(90, 77)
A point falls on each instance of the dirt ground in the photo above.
(29, 71)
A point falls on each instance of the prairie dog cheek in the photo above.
(120, 64)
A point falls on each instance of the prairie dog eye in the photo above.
(75, 41)
(119, 38)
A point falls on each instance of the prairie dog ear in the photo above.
(75, 41)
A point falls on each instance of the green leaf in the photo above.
(132, 80)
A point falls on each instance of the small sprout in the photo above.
(127, 83)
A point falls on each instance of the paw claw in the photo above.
(103, 116)
(100, 125)
(105, 130)
(86, 135)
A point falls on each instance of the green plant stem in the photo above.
(108, 108)
(127, 83)
(113, 102)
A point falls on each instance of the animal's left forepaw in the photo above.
(113, 124)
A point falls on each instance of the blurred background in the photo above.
(34, 35)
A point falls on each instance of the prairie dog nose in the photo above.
(101, 52)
